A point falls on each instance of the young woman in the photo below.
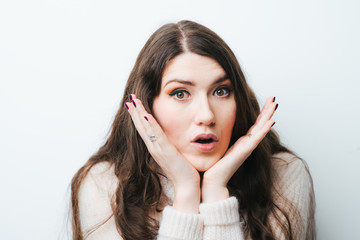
(190, 155)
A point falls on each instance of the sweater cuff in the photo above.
(179, 225)
(221, 212)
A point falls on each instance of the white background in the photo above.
(63, 66)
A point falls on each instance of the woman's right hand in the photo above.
(184, 177)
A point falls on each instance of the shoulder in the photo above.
(96, 194)
(100, 178)
(291, 173)
(288, 163)
(294, 192)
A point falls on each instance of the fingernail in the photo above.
(133, 102)
(126, 106)
(146, 118)
(274, 99)
(273, 124)
(276, 106)
(130, 97)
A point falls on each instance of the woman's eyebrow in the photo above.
(190, 83)
(180, 81)
(222, 79)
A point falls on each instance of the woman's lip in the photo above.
(205, 147)
(206, 136)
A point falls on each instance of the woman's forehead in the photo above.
(190, 68)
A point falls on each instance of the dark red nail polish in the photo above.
(146, 118)
(273, 124)
(274, 99)
(126, 106)
(133, 102)
(276, 106)
(130, 97)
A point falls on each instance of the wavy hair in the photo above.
(139, 189)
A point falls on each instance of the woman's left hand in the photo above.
(215, 179)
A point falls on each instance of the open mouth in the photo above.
(205, 140)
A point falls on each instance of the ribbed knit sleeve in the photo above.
(179, 225)
(221, 220)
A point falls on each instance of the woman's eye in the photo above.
(180, 94)
(222, 92)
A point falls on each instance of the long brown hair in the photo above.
(139, 187)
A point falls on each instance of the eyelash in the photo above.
(176, 91)
(229, 90)
(224, 88)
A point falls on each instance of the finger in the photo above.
(148, 128)
(265, 115)
(150, 121)
(236, 155)
(268, 110)
(156, 128)
(137, 112)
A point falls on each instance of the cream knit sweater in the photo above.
(219, 220)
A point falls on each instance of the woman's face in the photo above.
(196, 108)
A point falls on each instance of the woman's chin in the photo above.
(201, 168)
(202, 164)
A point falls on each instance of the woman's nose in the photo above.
(204, 114)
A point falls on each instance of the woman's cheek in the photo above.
(171, 120)
(227, 119)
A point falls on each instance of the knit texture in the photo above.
(221, 220)
(215, 221)
(180, 225)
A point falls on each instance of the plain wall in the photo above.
(64, 64)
